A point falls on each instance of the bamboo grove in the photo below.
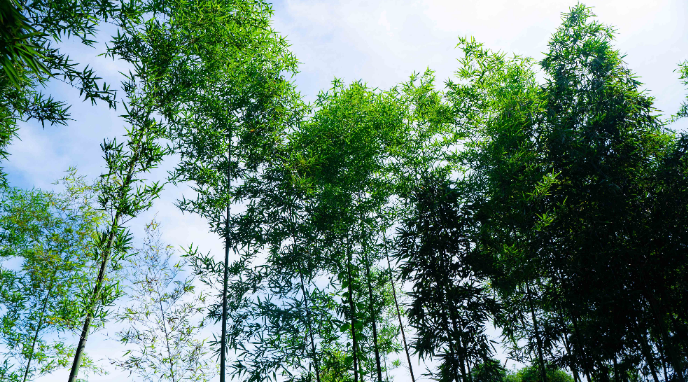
(532, 208)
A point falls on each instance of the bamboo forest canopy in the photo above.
(531, 212)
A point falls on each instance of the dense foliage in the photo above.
(544, 201)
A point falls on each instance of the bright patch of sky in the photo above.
(379, 42)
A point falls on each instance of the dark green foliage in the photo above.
(604, 141)
(450, 306)
(17, 49)
(532, 374)
(489, 371)
(29, 56)
(567, 178)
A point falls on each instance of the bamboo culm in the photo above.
(223, 340)
(114, 226)
(396, 305)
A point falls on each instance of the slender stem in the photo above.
(386, 370)
(114, 227)
(662, 353)
(647, 353)
(352, 310)
(460, 351)
(543, 372)
(372, 315)
(616, 370)
(572, 365)
(309, 318)
(310, 329)
(448, 330)
(396, 304)
(167, 335)
(660, 315)
(78, 356)
(586, 370)
(38, 329)
(452, 356)
(223, 340)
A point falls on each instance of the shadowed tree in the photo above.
(450, 306)
(553, 168)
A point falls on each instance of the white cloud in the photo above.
(383, 42)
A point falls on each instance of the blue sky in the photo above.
(379, 42)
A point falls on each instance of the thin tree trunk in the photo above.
(95, 296)
(455, 353)
(443, 284)
(78, 356)
(668, 344)
(372, 316)
(361, 370)
(396, 304)
(572, 365)
(459, 351)
(386, 370)
(663, 359)
(167, 335)
(647, 353)
(543, 372)
(38, 329)
(574, 370)
(352, 309)
(658, 314)
(680, 336)
(310, 330)
(225, 279)
(309, 319)
(586, 371)
(454, 363)
(616, 370)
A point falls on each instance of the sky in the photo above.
(380, 42)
